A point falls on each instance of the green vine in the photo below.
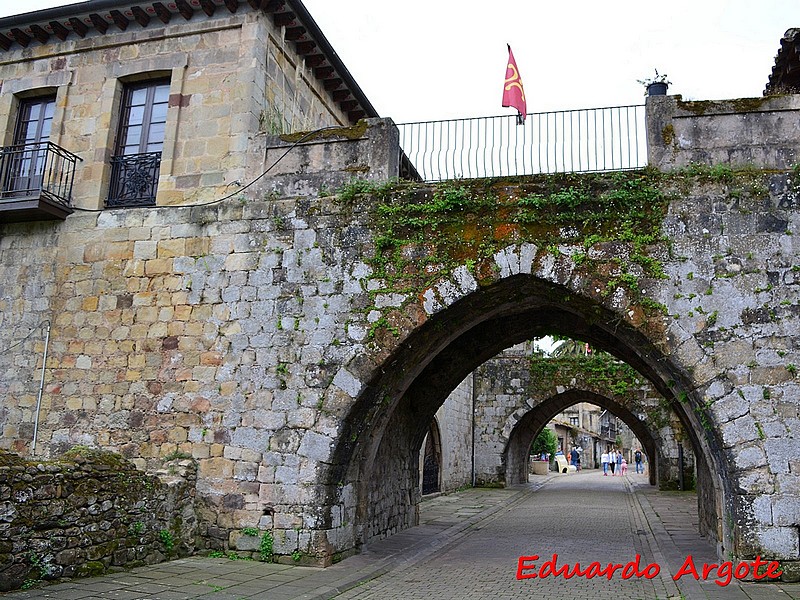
(423, 233)
(599, 370)
(166, 537)
(265, 548)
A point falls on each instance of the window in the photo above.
(574, 421)
(135, 165)
(24, 162)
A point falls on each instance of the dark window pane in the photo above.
(159, 114)
(143, 117)
(135, 167)
(133, 135)
(136, 115)
(26, 166)
(156, 135)
(46, 126)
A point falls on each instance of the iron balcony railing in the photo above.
(596, 139)
(37, 170)
(134, 180)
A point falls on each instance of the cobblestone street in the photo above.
(467, 546)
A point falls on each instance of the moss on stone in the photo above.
(96, 456)
(91, 568)
(738, 105)
(353, 132)
(668, 134)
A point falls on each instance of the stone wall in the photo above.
(256, 336)
(319, 162)
(455, 423)
(90, 511)
(454, 420)
(747, 131)
(508, 397)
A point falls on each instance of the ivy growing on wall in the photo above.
(609, 223)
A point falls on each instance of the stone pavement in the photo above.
(468, 545)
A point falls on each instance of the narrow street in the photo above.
(468, 545)
(581, 518)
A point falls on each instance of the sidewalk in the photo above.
(467, 543)
(443, 520)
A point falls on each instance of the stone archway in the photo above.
(533, 421)
(378, 452)
(517, 385)
(432, 461)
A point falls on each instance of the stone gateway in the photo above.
(290, 315)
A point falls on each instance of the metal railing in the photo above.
(36, 170)
(595, 139)
(134, 180)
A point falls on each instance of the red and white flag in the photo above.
(513, 94)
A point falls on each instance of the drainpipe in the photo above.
(41, 389)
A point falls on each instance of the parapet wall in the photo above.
(308, 164)
(87, 512)
(761, 132)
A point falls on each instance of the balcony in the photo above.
(134, 180)
(36, 182)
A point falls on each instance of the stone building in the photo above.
(109, 106)
(298, 345)
(591, 428)
(158, 103)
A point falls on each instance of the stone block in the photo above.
(781, 543)
(786, 511)
(315, 446)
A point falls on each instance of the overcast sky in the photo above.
(434, 59)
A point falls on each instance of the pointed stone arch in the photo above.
(383, 431)
(431, 470)
(535, 419)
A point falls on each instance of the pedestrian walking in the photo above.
(574, 457)
(637, 457)
(604, 462)
(612, 460)
(624, 466)
(619, 464)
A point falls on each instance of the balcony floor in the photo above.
(31, 208)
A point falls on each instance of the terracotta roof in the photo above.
(785, 77)
(109, 16)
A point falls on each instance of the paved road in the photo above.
(468, 546)
(580, 518)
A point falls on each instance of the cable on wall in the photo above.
(302, 139)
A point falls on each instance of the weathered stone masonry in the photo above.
(240, 334)
(256, 334)
(90, 511)
(518, 395)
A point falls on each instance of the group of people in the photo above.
(616, 463)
